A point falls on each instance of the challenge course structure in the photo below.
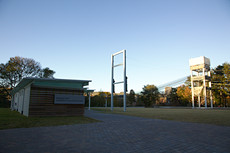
(200, 79)
(124, 77)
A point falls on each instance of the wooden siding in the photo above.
(42, 103)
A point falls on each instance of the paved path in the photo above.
(118, 134)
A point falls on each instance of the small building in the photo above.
(49, 97)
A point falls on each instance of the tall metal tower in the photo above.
(200, 79)
(124, 76)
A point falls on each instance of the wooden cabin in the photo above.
(49, 97)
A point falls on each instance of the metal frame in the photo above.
(125, 78)
(204, 70)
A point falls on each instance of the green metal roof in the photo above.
(54, 83)
(88, 90)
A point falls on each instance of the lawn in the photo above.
(207, 116)
(12, 119)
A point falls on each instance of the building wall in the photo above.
(26, 101)
(42, 103)
(20, 100)
(15, 101)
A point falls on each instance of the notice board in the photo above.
(69, 99)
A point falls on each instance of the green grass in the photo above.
(207, 116)
(12, 119)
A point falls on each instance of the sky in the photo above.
(76, 38)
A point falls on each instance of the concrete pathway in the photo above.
(118, 134)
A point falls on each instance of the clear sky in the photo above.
(76, 38)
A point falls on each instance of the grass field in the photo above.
(12, 119)
(207, 116)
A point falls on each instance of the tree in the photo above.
(226, 79)
(4, 98)
(18, 68)
(221, 84)
(46, 73)
(131, 97)
(184, 95)
(173, 97)
(139, 101)
(99, 100)
(150, 95)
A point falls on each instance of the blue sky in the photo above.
(77, 37)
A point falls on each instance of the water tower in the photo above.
(200, 79)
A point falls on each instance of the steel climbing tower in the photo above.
(200, 79)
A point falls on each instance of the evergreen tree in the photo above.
(150, 95)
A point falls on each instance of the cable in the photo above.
(173, 83)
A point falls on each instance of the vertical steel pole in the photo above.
(192, 90)
(89, 101)
(210, 86)
(199, 92)
(125, 81)
(205, 93)
(112, 83)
